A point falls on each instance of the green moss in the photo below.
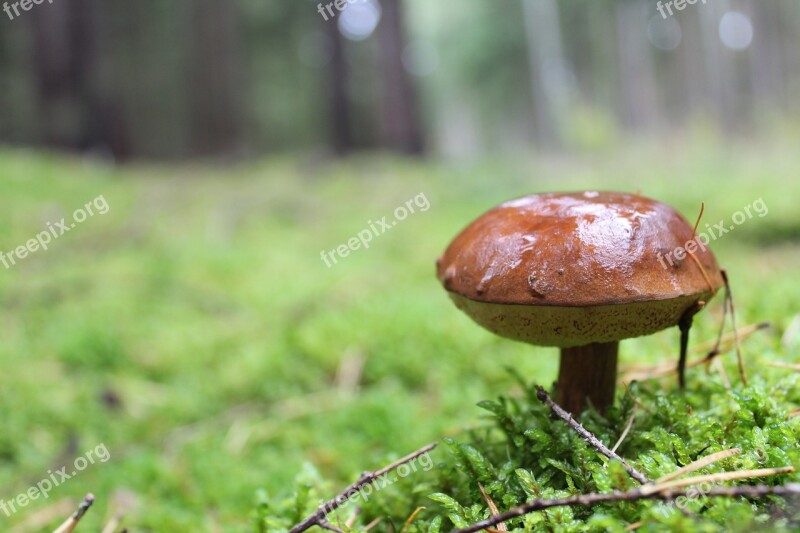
(525, 454)
(196, 332)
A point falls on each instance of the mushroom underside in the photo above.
(587, 336)
(566, 327)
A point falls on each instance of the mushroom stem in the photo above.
(587, 372)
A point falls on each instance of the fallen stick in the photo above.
(643, 372)
(72, 522)
(587, 435)
(318, 518)
(715, 478)
(588, 500)
(700, 463)
(628, 427)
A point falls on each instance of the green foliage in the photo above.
(526, 454)
(195, 331)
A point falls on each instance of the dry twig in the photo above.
(588, 500)
(492, 507)
(353, 517)
(732, 308)
(587, 435)
(411, 518)
(634, 526)
(39, 519)
(318, 518)
(72, 522)
(781, 364)
(716, 478)
(700, 463)
(373, 523)
(643, 372)
(723, 376)
(725, 342)
(628, 427)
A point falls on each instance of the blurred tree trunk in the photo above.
(767, 64)
(693, 68)
(56, 71)
(400, 125)
(637, 85)
(604, 65)
(71, 113)
(720, 72)
(215, 78)
(340, 125)
(548, 69)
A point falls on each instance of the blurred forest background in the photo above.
(194, 329)
(221, 78)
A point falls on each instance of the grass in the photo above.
(195, 331)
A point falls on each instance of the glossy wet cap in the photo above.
(591, 249)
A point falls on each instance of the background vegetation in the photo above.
(196, 332)
(235, 379)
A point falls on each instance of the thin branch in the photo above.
(636, 400)
(642, 372)
(722, 343)
(729, 297)
(691, 254)
(373, 523)
(726, 341)
(722, 374)
(113, 524)
(588, 500)
(324, 524)
(72, 522)
(367, 478)
(492, 507)
(716, 478)
(587, 435)
(700, 463)
(39, 519)
(411, 518)
(628, 427)
(780, 364)
(352, 519)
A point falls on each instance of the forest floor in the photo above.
(196, 332)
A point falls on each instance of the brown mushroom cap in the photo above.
(577, 268)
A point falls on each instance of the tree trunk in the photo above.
(721, 79)
(548, 67)
(340, 126)
(62, 57)
(215, 86)
(400, 125)
(73, 113)
(637, 86)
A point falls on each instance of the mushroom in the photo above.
(581, 271)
